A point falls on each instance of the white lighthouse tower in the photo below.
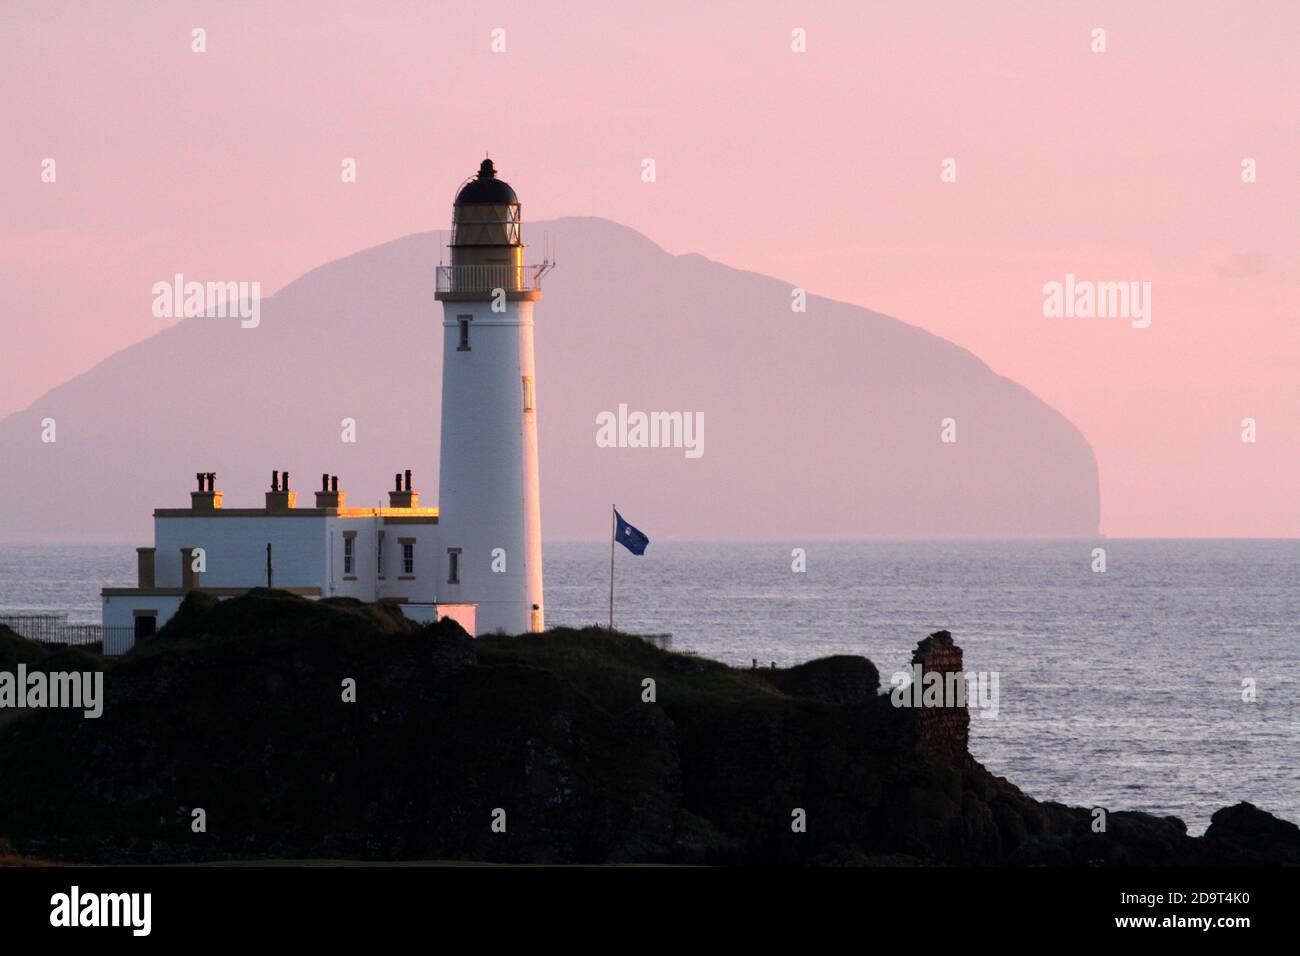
(488, 495)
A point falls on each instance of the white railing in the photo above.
(487, 278)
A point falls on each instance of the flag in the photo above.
(628, 536)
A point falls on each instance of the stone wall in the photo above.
(941, 732)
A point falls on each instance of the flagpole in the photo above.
(612, 533)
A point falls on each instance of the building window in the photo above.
(408, 559)
(453, 565)
(463, 321)
(528, 393)
(379, 555)
(349, 555)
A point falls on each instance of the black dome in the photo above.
(486, 188)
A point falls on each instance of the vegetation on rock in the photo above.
(237, 707)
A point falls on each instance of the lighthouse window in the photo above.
(408, 559)
(453, 565)
(379, 556)
(349, 555)
(463, 321)
(528, 393)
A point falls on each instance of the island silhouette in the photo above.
(824, 423)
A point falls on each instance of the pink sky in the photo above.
(821, 168)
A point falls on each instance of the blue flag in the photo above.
(628, 536)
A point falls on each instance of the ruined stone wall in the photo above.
(941, 733)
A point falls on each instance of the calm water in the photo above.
(1120, 689)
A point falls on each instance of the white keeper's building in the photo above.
(478, 559)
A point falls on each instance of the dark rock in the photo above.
(236, 707)
(841, 679)
(1252, 836)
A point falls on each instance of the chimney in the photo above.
(403, 497)
(280, 499)
(144, 558)
(189, 577)
(329, 495)
(207, 498)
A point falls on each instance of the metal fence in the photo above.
(118, 639)
(54, 629)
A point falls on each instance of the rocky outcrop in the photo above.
(528, 749)
(1249, 834)
(841, 679)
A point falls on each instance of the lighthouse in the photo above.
(488, 493)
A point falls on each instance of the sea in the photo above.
(1167, 683)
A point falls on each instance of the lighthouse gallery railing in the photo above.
(488, 278)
